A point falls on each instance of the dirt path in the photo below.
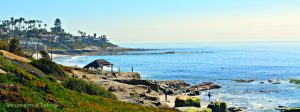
(14, 57)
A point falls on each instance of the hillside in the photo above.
(42, 85)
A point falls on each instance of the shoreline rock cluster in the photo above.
(129, 87)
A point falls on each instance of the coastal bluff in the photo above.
(129, 87)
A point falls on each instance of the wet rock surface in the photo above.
(204, 86)
(129, 87)
(244, 80)
(274, 81)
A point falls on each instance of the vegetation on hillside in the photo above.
(34, 33)
(15, 46)
(22, 91)
(49, 67)
(82, 86)
(3, 45)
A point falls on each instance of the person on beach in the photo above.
(209, 95)
(166, 95)
(149, 89)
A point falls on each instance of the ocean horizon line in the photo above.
(196, 44)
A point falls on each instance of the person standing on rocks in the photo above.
(166, 95)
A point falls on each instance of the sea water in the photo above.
(220, 63)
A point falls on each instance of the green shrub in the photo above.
(15, 46)
(9, 67)
(86, 87)
(49, 67)
(6, 64)
(45, 54)
(8, 78)
(4, 45)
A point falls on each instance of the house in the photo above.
(31, 45)
(3, 31)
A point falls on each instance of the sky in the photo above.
(167, 21)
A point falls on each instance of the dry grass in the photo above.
(14, 57)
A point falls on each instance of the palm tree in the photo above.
(95, 35)
(11, 22)
(39, 23)
(31, 24)
(21, 20)
(45, 25)
(26, 24)
(80, 32)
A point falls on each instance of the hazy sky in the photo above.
(152, 21)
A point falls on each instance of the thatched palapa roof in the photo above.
(99, 63)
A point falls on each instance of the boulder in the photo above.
(183, 101)
(129, 75)
(132, 94)
(234, 109)
(282, 108)
(244, 80)
(292, 110)
(223, 107)
(197, 92)
(148, 83)
(191, 94)
(112, 89)
(143, 95)
(176, 84)
(204, 86)
(274, 81)
(218, 106)
(157, 103)
(294, 81)
(164, 106)
(152, 98)
(174, 87)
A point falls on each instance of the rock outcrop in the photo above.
(154, 86)
(294, 81)
(274, 81)
(183, 101)
(244, 80)
(218, 106)
(128, 75)
(204, 86)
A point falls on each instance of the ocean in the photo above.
(220, 63)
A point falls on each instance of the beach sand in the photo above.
(53, 55)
